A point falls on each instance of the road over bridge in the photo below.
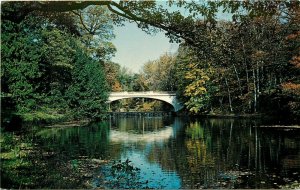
(169, 97)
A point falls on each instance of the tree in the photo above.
(112, 75)
(192, 81)
(159, 74)
(88, 92)
(291, 87)
(42, 58)
(244, 61)
(20, 66)
(95, 27)
(126, 79)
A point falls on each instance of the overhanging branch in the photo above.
(65, 6)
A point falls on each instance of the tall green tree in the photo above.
(88, 93)
(19, 66)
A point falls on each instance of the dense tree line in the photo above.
(247, 65)
(53, 67)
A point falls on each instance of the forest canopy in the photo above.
(55, 54)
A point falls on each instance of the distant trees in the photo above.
(159, 74)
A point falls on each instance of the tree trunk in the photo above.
(254, 90)
(249, 151)
(229, 95)
(238, 78)
(256, 149)
(258, 83)
(246, 70)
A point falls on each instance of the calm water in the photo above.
(176, 153)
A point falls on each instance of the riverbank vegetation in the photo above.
(248, 66)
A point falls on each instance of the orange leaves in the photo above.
(291, 88)
(116, 87)
(296, 61)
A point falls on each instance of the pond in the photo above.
(163, 152)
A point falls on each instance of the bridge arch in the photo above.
(168, 97)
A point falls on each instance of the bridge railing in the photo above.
(143, 92)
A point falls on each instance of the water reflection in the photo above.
(91, 141)
(180, 153)
(141, 138)
(126, 137)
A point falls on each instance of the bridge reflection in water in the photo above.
(118, 136)
(150, 130)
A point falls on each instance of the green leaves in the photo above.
(56, 48)
(87, 94)
(193, 77)
(95, 25)
(46, 67)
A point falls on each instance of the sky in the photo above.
(135, 47)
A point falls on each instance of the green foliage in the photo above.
(124, 175)
(13, 157)
(112, 71)
(46, 115)
(87, 94)
(245, 66)
(96, 29)
(126, 79)
(47, 71)
(118, 168)
(233, 66)
(20, 59)
(193, 81)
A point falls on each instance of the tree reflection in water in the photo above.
(226, 153)
(182, 153)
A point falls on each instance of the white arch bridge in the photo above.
(169, 97)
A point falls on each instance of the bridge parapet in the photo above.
(145, 93)
(166, 96)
